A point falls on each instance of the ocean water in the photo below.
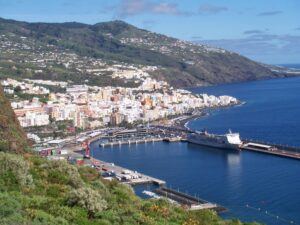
(252, 186)
(271, 112)
(292, 66)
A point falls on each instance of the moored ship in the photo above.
(226, 141)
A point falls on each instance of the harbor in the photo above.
(200, 171)
(78, 152)
(81, 156)
(210, 173)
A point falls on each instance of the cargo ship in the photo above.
(226, 141)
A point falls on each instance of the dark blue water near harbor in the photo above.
(271, 112)
(291, 66)
(269, 185)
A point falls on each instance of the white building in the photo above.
(34, 119)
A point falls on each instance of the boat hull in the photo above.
(214, 144)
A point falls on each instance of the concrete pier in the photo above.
(273, 149)
(128, 142)
(250, 145)
(125, 175)
(187, 201)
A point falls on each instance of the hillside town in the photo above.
(91, 107)
(52, 88)
(168, 45)
(42, 61)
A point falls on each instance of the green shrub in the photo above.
(62, 172)
(8, 205)
(4, 145)
(11, 212)
(59, 195)
(43, 218)
(87, 198)
(14, 170)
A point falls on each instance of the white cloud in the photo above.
(211, 9)
(132, 7)
(264, 47)
(165, 8)
(253, 32)
(135, 7)
(270, 13)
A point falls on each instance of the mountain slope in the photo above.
(12, 137)
(180, 63)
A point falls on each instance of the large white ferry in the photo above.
(226, 141)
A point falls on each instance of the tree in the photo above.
(18, 89)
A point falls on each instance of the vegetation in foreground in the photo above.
(34, 190)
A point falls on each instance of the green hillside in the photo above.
(38, 191)
(180, 63)
(12, 137)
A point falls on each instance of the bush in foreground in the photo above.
(37, 191)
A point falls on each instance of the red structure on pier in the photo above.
(86, 146)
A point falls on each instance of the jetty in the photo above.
(129, 142)
(111, 171)
(187, 201)
(273, 149)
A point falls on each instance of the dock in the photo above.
(187, 201)
(124, 175)
(249, 145)
(139, 141)
(75, 154)
(273, 149)
(129, 142)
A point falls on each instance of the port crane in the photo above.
(86, 147)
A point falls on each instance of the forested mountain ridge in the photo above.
(180, 63)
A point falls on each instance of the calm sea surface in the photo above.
(269, 185)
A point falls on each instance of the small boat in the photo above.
(172, 139)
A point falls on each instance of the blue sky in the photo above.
(263, 30)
